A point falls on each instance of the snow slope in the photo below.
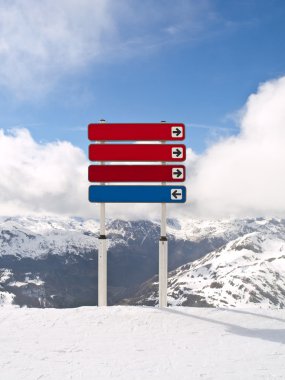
(136, 343)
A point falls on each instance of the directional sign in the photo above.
(136, 173)
(137, 152)
(136, 131)
(137, 194)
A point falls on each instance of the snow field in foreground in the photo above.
(144, 343)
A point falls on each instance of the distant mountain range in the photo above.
(52, 262)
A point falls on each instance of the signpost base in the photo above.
(163, 266)
(102, 271)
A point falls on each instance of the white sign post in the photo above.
(163, 255)
(102, 254)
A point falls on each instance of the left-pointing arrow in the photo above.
(176, 194)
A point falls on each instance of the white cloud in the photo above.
(239, 176)
(42, 41)
(40, 178)
(244, 175)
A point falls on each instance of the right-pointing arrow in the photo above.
(177, 152)
(177, 173)
(177, 132)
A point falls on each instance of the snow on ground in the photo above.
(144, 343)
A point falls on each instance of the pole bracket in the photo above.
(163, 238)
(102, 237)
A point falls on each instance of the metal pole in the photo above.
(163, 255)
(102, 254)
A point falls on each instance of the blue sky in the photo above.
(218, 66)
(150, 61)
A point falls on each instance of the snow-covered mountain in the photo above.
(247, 271)
(52, 261)
(37, 237)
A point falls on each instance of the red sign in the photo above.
(137, 152)
(136, 173)
(136, 132)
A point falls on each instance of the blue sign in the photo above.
(137, 194)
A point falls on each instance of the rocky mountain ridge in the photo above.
(247, 271)
(52, 261)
